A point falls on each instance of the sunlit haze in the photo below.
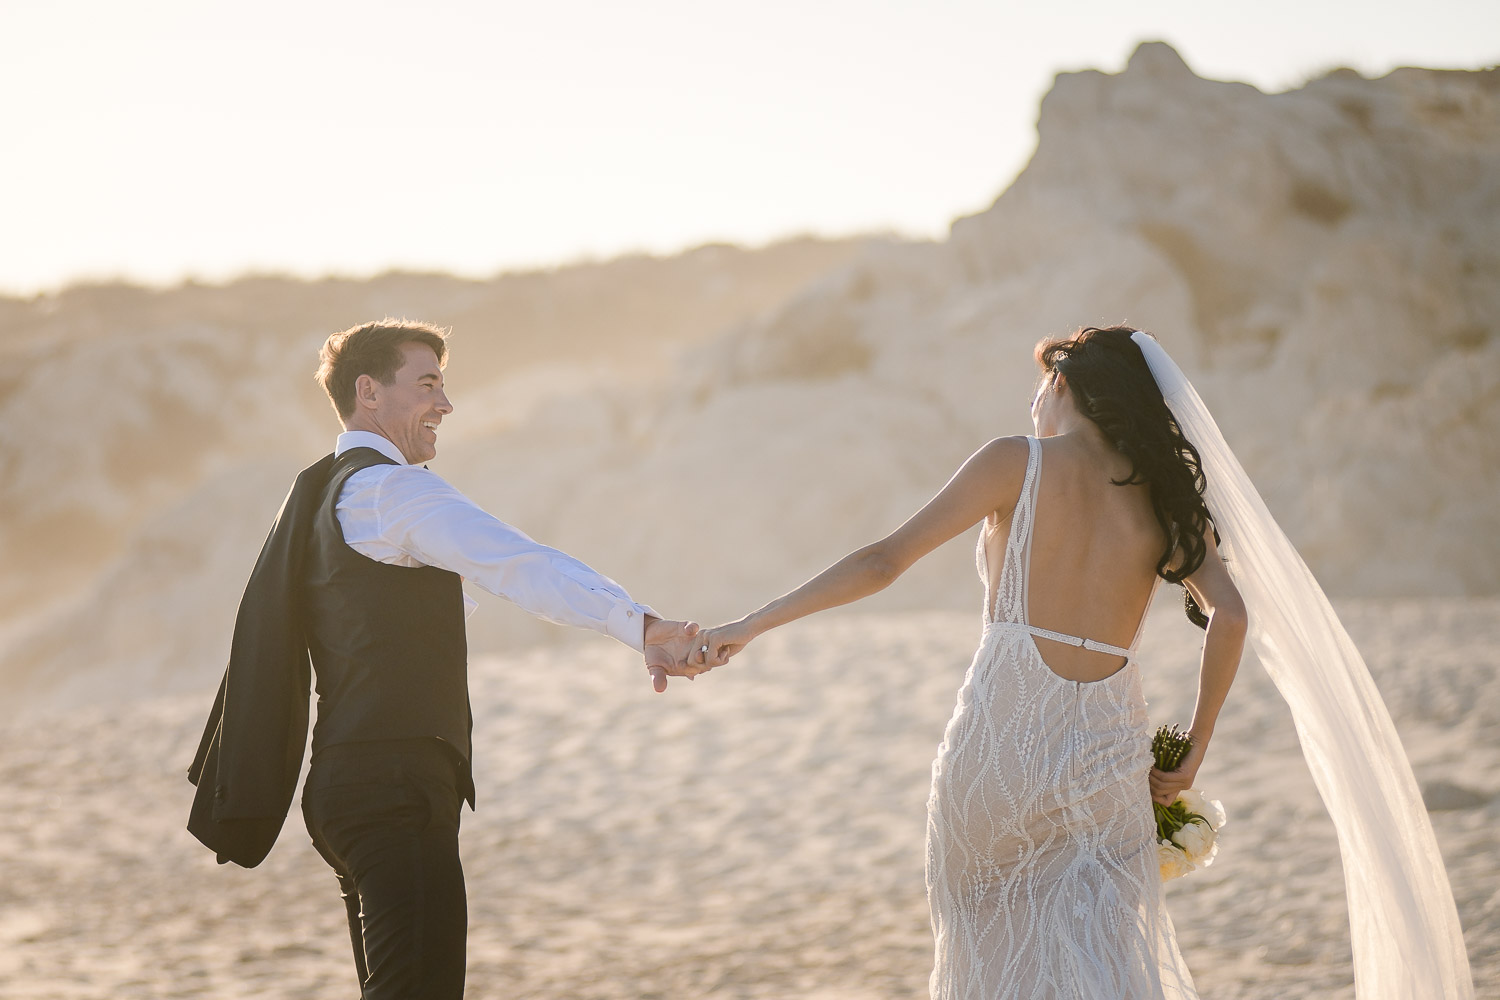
(162, 140)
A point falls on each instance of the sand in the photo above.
(757, 833)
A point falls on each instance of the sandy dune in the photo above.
(1323, 263)
(756, 834)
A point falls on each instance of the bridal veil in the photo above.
(1403, 921)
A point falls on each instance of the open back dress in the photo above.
(1042, 872)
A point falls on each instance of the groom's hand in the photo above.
(667, 645)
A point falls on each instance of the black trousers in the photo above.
(385, 818)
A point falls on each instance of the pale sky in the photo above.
(160, 139)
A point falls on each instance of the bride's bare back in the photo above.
(1094, 548)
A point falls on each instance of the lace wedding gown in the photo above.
(1041, 849)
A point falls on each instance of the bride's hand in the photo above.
(717, 645)
(1166, 784)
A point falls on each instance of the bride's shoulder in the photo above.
(999, 462)
(1004, 452)
(993, 476)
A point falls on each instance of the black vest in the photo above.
(387, 642)
(391, 655)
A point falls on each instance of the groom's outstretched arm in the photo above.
(667, 645)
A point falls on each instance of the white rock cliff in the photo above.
(1325, 263)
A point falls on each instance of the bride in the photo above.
(1042, 870)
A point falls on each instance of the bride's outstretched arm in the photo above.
(1217, 595)
(990, 480)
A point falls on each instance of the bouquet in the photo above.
(1187, 830)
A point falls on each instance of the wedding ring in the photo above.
(702, 649)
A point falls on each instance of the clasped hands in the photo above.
(682, 649)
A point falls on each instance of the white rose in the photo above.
(1199, 842)
(1210, 809)
(1172, 862)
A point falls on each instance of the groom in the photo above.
(359, 580)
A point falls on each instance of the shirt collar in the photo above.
(369, 439)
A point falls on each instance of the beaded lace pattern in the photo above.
(1041, 856)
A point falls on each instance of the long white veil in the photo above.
(1404, 925)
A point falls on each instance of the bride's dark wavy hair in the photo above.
(1112, 385)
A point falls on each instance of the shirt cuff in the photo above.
(627, 623)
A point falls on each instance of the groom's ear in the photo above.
(364, 391)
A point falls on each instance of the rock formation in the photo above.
(1325, 263)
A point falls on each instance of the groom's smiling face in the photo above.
(409, 409)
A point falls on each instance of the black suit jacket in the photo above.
(251, 753)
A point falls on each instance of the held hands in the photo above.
(717, 645)
(681, 649)
(667, 647)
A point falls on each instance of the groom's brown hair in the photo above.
(372, 349)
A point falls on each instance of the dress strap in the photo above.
(1007, 603)
(1073, 640)
(1026, 518)
(1141, 628)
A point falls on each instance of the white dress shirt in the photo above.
(407, 515)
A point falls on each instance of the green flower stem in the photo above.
(1170, 819)
(1169, 746)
